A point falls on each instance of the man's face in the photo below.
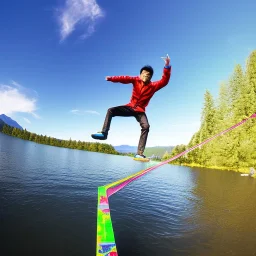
(145, 76)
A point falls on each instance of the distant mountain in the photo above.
(10, 122)
(149, 151)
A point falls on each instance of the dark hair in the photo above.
(149, 69)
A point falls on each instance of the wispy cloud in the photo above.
(35, 115)
(92, 112)
(26, 120)
(79, 12)
(15, 84)
(83, 112)
(16, 98)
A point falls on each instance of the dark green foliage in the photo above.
(73, 144)
(157, 151)
(2, 123)
(236, 101)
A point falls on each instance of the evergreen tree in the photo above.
(208, 121)
(166, 155)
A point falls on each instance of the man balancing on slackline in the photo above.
(143, 90)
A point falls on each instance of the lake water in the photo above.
(48, 201)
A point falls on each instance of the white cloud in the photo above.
(83, 112)
(27, 120)
(30, 93)
(14, 99)
(79, 12)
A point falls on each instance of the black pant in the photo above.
(126, 111)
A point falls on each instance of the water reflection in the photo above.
(49, 196)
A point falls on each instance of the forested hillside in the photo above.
(236, 100)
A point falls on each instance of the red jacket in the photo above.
(142, 93)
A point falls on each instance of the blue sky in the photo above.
(55, 56)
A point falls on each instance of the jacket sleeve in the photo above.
(164, 80)
(122, 79)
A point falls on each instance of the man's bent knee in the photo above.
(145, 127)
(111, 111)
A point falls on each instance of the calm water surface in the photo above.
(48, 200)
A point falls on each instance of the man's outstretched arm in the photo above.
(121, 79)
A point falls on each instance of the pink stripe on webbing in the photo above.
(113, 190)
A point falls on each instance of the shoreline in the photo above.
(244, 170)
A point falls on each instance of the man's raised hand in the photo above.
(166, 60)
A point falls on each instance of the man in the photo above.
(143, 90)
